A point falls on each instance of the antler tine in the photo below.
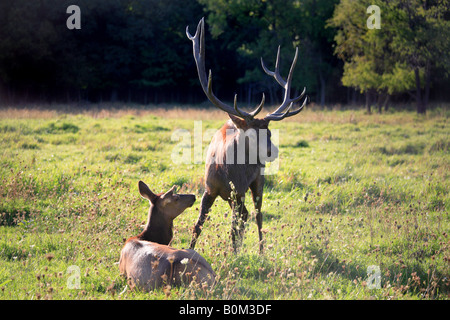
(259, 107)
(198, 41)
(239, 113)
(287, 113)
(283, 110)
(188, 34)
(276, 73)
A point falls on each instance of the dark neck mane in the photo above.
(158, 229)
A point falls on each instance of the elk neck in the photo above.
(231, 138)
(158, 228)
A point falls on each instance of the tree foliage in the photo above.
(272, 23)
(125, 49)
(136, 50)
(413, 42)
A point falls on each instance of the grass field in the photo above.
(357, 198)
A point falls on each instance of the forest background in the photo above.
(136, 51)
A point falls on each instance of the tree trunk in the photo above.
(322, 87)
(322, 91)
(385, 103)
(420, 105)
(379, 104)
(427, 85)
(368, 102)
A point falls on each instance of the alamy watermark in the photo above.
(374, 20)
(374, 277)
(74, 279)
(74, 20)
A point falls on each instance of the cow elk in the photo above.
(226, 169)
(146, 259)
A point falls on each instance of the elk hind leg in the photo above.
(257, 194)
(239, 218)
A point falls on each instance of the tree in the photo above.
(256, 28)
(32, 51)
(124, 48)
(136, 50)
(398, 57)
(421, 40)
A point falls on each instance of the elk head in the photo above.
(148, 262)
(164, 208)
(246, 120)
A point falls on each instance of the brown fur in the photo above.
(242, 174)
(149, 264)
(219, 172)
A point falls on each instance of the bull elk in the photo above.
(147, 260)
(241, 132)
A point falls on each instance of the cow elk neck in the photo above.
(148, 262)
(164, 208)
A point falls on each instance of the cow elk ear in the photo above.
(240, 123)
(170, 192)
(146, 193)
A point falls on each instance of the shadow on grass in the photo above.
(411, 277)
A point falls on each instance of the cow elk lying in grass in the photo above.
(239, 151)
(147, 260)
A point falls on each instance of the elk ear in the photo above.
(240, 123)
(146, 193)
(171, 191)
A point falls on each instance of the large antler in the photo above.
(283, 110)
(198, 41)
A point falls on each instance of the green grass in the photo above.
(352, 191)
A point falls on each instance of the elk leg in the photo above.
(257, 193)
(240, 216)
(259, 223)
(207, 202)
